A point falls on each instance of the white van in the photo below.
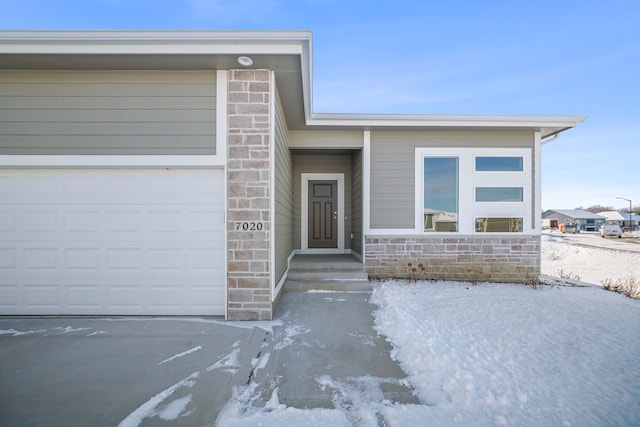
(611, 230)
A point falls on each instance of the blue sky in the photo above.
(577, 57)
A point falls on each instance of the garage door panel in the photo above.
(39, 259)
(10, 295)
(8, 260)
(104, 186)
(77, 223)
(85, 257)
(75, 297)
(8, 222)
(81, 259)
(88, 295)
(112, 242)
(82, 220)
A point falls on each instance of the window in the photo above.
(473, 190)
(499, 194)
(440, 194)
(502, 225)
(499, 164)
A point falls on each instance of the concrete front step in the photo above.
(326, 285)
(325, 263)
(322, 274)
(326, 272)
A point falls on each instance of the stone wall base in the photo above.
(461, 258)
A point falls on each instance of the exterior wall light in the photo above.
(245, 61)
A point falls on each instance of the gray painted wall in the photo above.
(392, 175)
(325, 139)
(356, 201)
(322, 163)
(284, 243)
(107, 112)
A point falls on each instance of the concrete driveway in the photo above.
(181, 371)
(75, 371)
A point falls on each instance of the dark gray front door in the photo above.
(323, 214)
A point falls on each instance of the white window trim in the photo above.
(469, 179)
(304, 211)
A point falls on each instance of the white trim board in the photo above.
(272, 186)
(304, 213)
(222, 85)
(366, 186)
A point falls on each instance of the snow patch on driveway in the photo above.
(149, 409)
(17, 333)
(184, 353)
(230, 360)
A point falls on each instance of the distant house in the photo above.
(587, 221)
(621, 218)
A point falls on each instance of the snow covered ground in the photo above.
(499, 354)
(559, 257)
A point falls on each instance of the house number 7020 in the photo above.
(249, 226)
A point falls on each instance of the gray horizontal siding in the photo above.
(123, 89)
(107, 112)
(284, 213)
(325, 139)
(356, 201)
(107, 102)
(392, 175)
(70, 115)
(454, 138)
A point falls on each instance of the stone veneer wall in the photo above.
(464, 258)
(248, 193)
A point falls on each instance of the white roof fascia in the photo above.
(127, 36)
(402, 120)
(153, 42)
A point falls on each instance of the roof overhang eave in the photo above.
(287, 53)
(546, 125)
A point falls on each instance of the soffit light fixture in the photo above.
(245, 61)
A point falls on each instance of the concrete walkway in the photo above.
(327, 354)
(321, 351)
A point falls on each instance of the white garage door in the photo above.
(112, 241)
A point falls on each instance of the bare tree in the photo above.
(597, 208)
(635, 210)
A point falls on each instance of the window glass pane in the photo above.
(499, 225)
(441, 194)
(499, 164)
(499, 194)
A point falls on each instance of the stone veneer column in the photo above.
(248, 193)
